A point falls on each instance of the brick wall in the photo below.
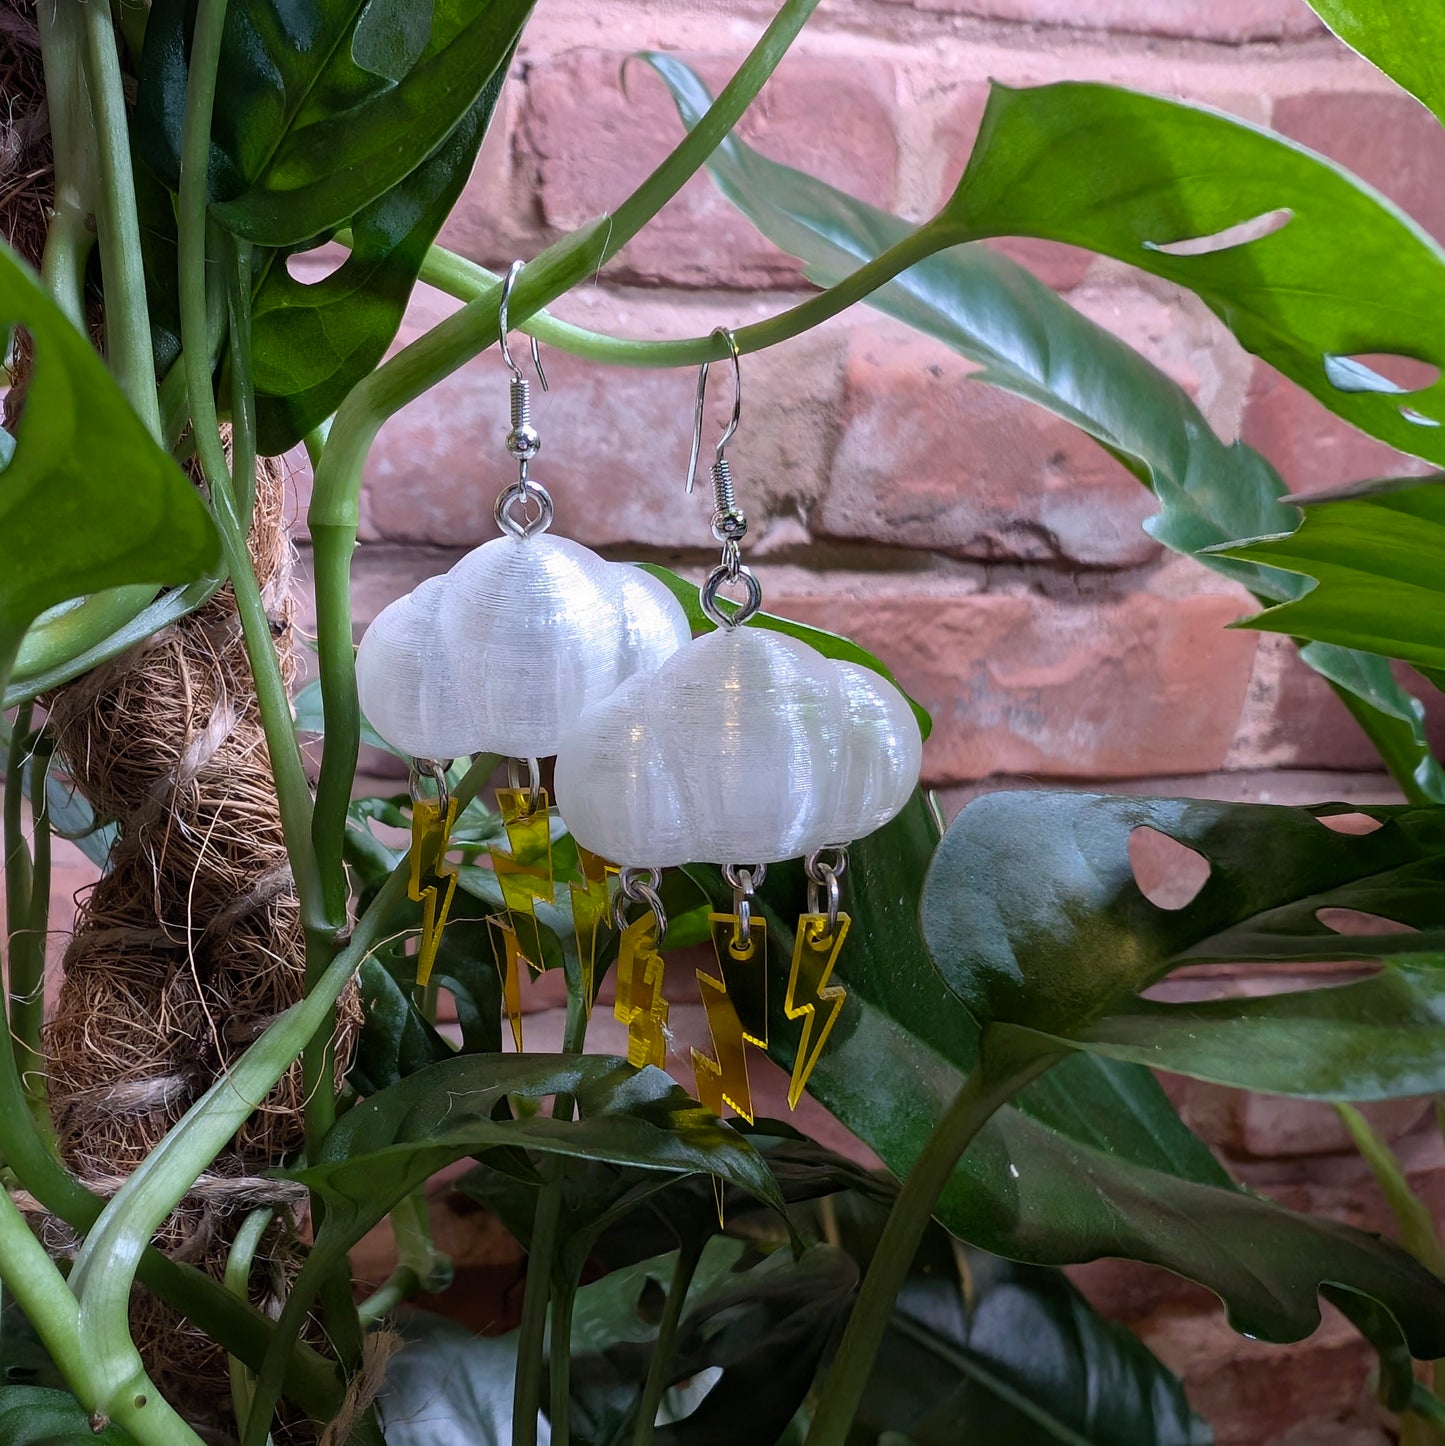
(992, 555)
(988, 552)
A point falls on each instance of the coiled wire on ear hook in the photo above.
(729, 521)
(523, 439)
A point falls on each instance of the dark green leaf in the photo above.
(1033, 917)
(88, 501)
(1028, 1363)
(1378, 580)
(831, 645)
(1089, 1160)
(306, 709)
(322, 107)
(312, 343)
(34, 1416)
(1030, 342)
(1133, 176)
(401, 1136)
(1405, 38)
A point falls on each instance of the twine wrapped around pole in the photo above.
(191, 943)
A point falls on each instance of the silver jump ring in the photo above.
(522, 492)
(743, 882)
(824, 875)
(717, 579)
(430, 768)
(534, 780)
(639, 886)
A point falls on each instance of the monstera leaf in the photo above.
(1032, 343)
(1375, 561)
(1034, 919)
(1405, 39)
(324, 106)
(1087, 1161)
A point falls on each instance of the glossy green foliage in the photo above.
(1089, 1160)
(1033, 917)
(1379, 583)
(383, 1148)
(1405, 38)
(322, 107)
(313, 342)
(1345, 275)
(38, 1416)
(831, 645)
(88, 501)
(1032, 343)
(982, 1349)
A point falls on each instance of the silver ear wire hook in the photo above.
(525, 507)
(697, 416)
(504, 327)
(729, 521)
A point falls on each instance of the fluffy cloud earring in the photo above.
(502, 655)
(744, 748)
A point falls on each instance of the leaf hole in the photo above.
(1169, 874)
(1256, 228)
(1350, 823)
(1418, 418)
(1356, 921)
(311, 267)
(1387, 372)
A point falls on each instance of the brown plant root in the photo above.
(188, 947)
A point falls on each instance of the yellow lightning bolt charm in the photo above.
(433, 878)
(810, 997)
(743, 971)
(524, 871)
(589, 909)
(640, 1005)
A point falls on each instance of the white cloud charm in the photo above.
(511, 646)
(747, 746)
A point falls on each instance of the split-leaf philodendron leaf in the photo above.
(1087, 1161)
(321, 106)
(1378, 579)
(88, 501)
(1034, 918)
(1405, 38)
(1032, 343)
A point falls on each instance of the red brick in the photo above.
(614, 445)
(1385, 138)
(1231, 21)
(1023, 684)
(1311, 447)
(588, 145)
(929, 459)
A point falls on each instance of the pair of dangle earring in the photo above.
(502, 655)
(743, 748)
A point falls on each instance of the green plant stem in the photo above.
(25, 981)
(420, 1265)
(127, 317)
(27, 971)
(243, 390)
(542, 1270)
(334, 513)
(984, 1091)
(563, 1298)
(41, 1291)
(527, 1385)
(71, 232)
(237, 1281)
(688, 1255)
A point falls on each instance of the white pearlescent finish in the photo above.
(747, 746)
(404, 680)
(526, 633)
